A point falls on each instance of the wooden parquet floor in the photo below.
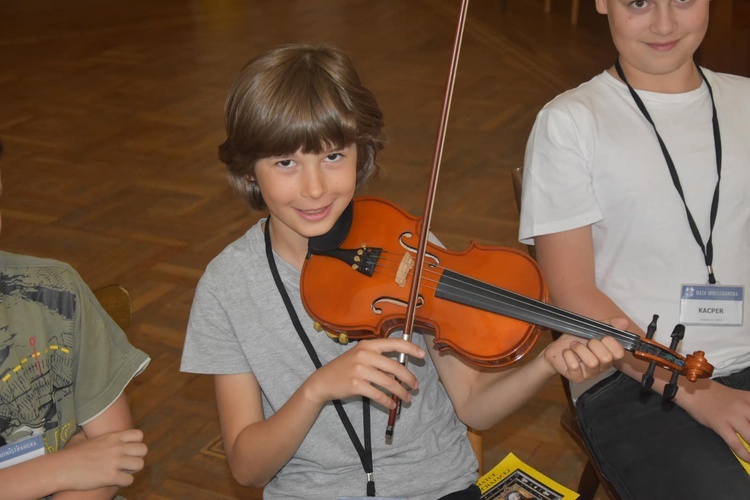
(111, 114)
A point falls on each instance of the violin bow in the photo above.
(411, 309)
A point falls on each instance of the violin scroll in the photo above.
(697, 366)
(693, 366)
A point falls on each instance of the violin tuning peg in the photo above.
(647, 381)
(670, 390)
(648, 378)
(651, 329)
(677, 334)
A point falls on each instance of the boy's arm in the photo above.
(108, 457)
(34, 478)
(482, 397)
(567, 263)
(96, 463)
(258, 448)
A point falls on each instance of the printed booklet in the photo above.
(512, 479)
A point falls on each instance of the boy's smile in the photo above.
(315, 214)
(305, 194)
(656, 40)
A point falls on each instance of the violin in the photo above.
(486, 304)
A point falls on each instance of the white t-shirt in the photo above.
(593, 159)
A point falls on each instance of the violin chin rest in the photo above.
(336, 236)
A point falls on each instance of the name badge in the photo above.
(716, 305)
(21, 451)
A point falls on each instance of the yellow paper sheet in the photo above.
(514, 479)
(744, 464)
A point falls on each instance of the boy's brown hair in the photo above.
(293, 97)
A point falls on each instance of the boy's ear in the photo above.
(601, 6)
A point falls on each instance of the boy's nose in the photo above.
(313, 183)
(664, 21)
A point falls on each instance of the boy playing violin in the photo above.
(635, 195)
(302, 135)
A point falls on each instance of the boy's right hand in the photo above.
(366, 371)
(107, 460)
(725, 410)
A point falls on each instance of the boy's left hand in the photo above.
(578, 359)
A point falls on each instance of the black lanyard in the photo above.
(364, 452)
(708, 249)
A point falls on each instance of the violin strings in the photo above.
(499, 296)
(581, 325)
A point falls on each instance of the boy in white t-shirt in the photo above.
(635, 189)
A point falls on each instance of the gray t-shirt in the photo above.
(238, 324)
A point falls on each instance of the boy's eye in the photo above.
(639, 4)
(285, 163)
(334, 156)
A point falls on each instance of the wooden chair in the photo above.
(115, 299)
(591, 477)
(475, 438)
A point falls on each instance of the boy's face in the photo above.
(306, 192)
(656, 39)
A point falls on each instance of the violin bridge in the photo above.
(406, 265)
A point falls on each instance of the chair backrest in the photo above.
(516, 175)
(115, 299)
(475, 438)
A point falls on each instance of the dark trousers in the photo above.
(648, 453)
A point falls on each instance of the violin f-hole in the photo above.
(402, 241)
(393, 300)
